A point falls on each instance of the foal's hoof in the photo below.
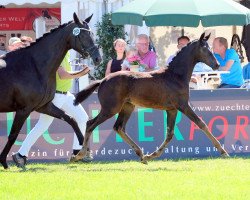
(80, 155)
(144, 160)
(225, 155)
(73, 158)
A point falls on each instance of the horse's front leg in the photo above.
(171, 117)
(18, 122)
(193, 117)
(119, 127)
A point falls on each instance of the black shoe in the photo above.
(19, 160)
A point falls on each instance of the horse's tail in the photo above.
(85, 93)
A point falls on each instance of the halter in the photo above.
(89, 51)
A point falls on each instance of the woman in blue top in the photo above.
(229, 61)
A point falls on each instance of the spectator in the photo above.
(26, 40)
(15, 43)
(181, 42)
(114, 65)
(229, 61)
(199, 67)
(2, 44)
(246, 71)
(2, 52)
(147, 57)
(132, 62)
(246, 76)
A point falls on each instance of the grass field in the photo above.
(169, 179)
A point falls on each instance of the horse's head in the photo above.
(82, 40)
(204, 54)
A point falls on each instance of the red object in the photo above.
(23, 18)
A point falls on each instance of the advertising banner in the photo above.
(226, 112)
(23, 18)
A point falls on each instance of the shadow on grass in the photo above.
(104, 166)
(36, 169)
(121, 166)
(14, 169)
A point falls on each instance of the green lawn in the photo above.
(169, 179)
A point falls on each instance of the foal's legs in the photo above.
(91, 125)
(18, 122)
(192, 116)
(120, 124)
(52, 110)
(171, 116)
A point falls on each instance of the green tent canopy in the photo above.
(189, 13)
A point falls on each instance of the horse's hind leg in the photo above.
(18, 122)
(120, 124)
(52, 110)
(192, 116)
(171, 117)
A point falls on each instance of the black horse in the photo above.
(166, 89)
(28, 76)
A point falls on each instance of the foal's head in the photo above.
(82, 40)
(203, 53)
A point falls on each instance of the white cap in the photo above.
(14, 40)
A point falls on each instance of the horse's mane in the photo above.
(41, 38)
(51, 31)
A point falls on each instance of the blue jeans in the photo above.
(223, 85)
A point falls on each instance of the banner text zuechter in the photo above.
(230, 107)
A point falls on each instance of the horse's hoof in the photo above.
(144, 159)
(225, 155)
(80, 155)
(144, 162)
(73, 158)
(5, 165)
